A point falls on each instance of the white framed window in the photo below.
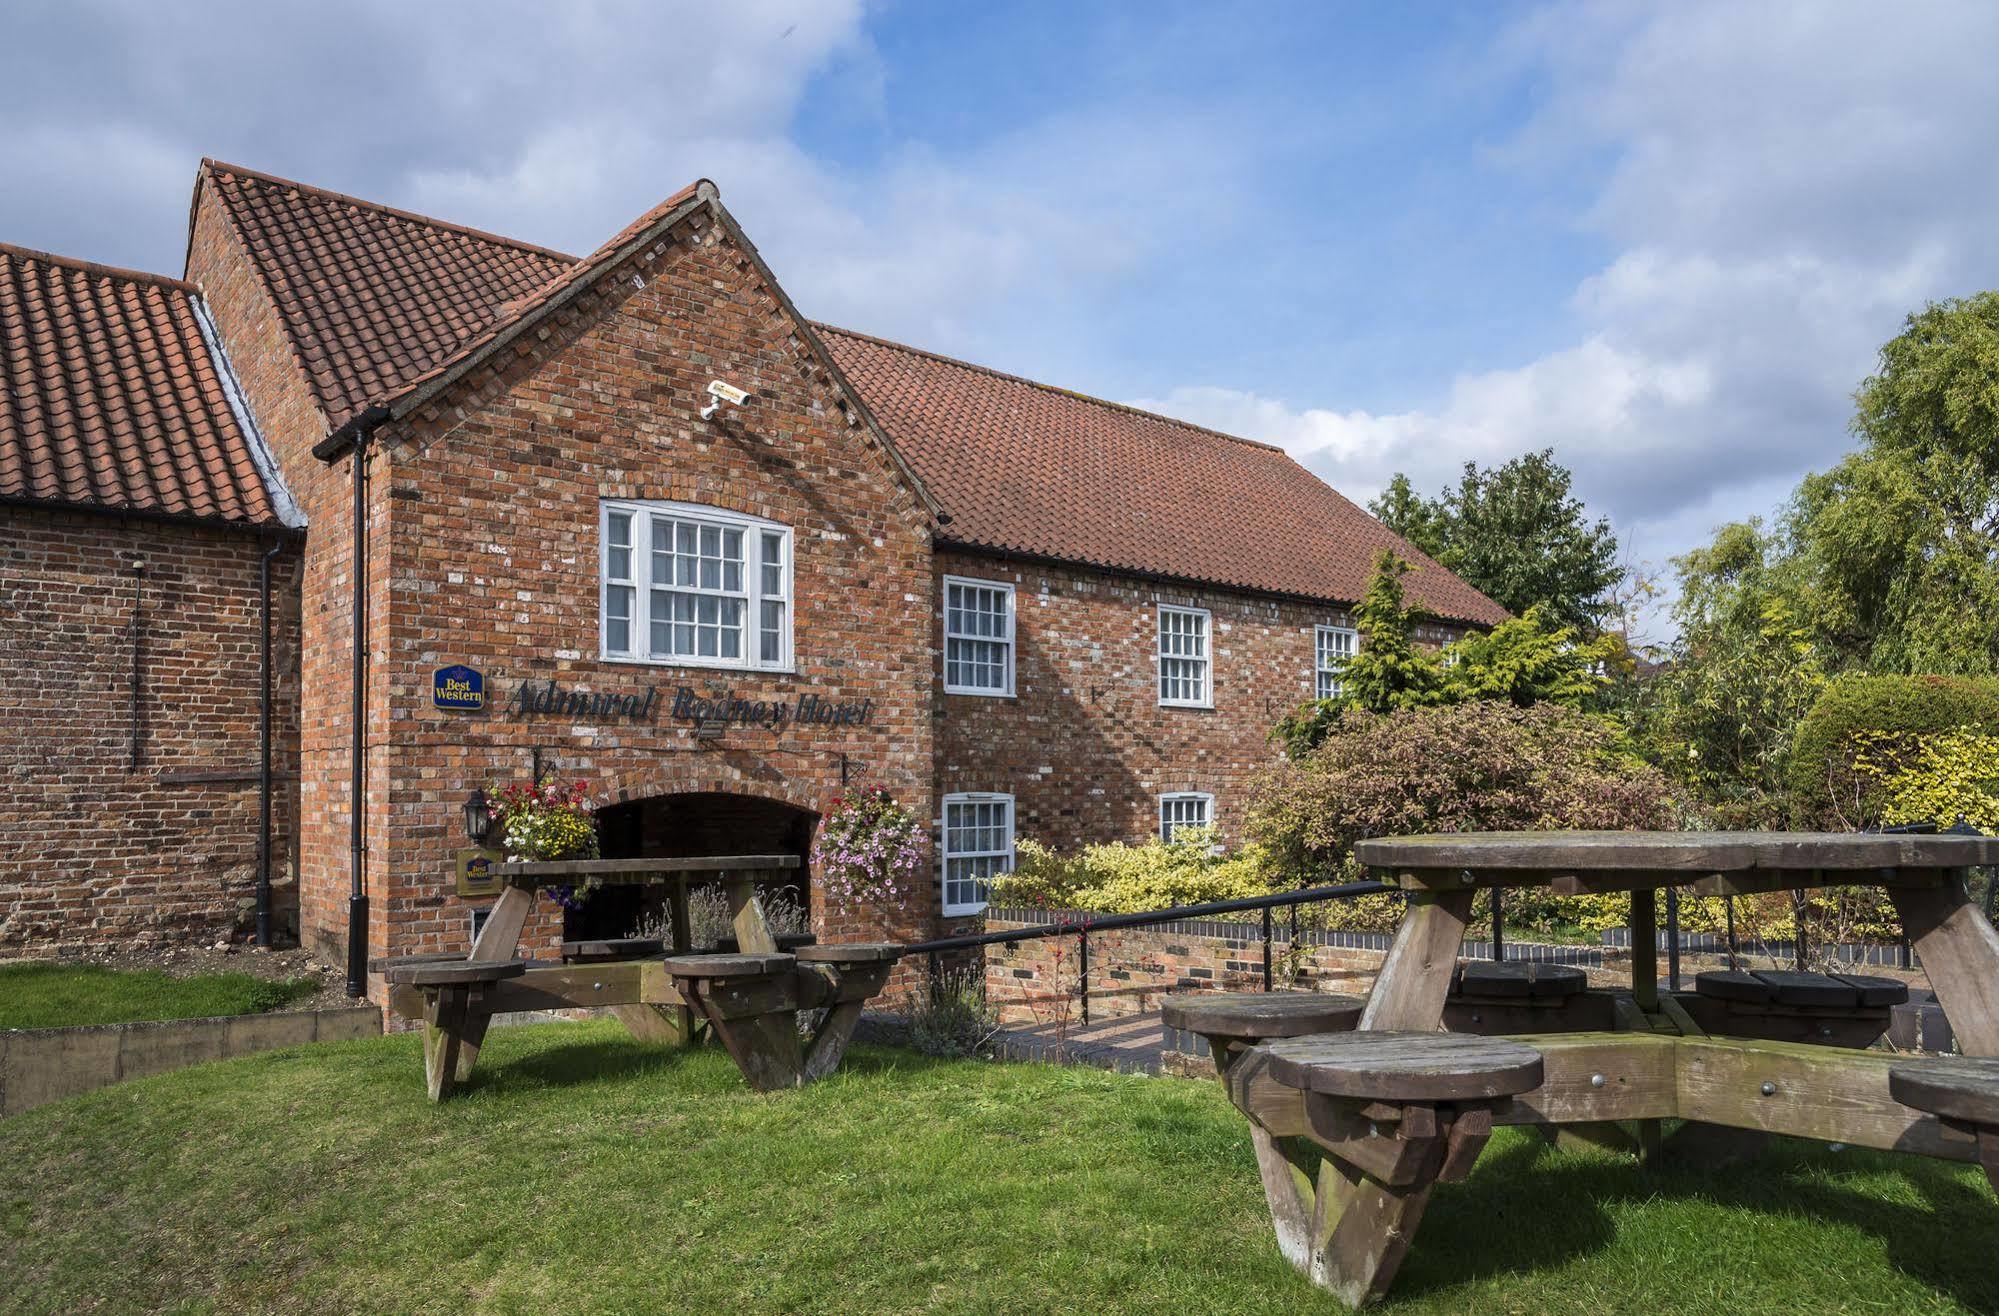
(1178, 809)
(1335, 645)
(692, 586)
(1183, 657)
(978, 637)
(978, 842)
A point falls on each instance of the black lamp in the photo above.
(478, 817)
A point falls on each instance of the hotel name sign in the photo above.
(709, 713)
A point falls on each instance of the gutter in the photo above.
(353, 438)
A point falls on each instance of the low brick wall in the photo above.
(1033, 982)
(40, 1065)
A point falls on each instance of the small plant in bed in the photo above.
(70, 995)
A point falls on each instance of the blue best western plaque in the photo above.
(458, 689)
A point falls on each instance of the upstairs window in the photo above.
(1183, 657)
(978, 842)
(1336, 644)
(1180, 809)
(978, 637)
(693, 586)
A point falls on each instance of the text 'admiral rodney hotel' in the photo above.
(629, 517)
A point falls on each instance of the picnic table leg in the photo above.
(444, 1020)
(829, 1044)
(1960, 953)
(1415, 976)
(654, 1023)
(753, 934)
(764, 1046)
(1361, 1228)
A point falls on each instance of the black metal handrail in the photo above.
(1082, 928)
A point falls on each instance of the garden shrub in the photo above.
(1883, 719)
(1119, 878)
(1479, 766)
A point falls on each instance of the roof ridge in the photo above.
(1090, 398)
(414, 217)
(93, 267)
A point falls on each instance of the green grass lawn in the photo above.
(66, 995)
(583, 1173)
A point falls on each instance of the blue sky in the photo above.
(1666, 240)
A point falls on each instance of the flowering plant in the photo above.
(544, 822)
(869, 850)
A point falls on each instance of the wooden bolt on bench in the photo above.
(452, 991)
(1962, 1092)
(1394, 1113)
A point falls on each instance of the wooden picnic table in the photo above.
(748, 999)
(1397, 1105)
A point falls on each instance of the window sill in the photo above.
(973, 693)
(695, 665)
(1181, 703)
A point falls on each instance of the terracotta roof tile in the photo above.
(109, 397)
(372, 297)
(1026, 468)
(380, 301)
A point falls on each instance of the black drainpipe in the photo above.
(264, 753)
(354, 435)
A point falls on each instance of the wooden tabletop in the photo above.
(1659, 859)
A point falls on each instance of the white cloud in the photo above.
(1785, 182)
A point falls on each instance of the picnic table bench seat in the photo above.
(1962, 1091)
(1228, 1020)
(600, 949)
(752, 1004)
(1524, 996)
(1780, 1005)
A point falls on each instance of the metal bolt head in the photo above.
(1769, 1089)
(1596, 1080)
(596, 986)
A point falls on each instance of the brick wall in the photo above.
(1084, 745)
(1032, 982)
(492, 560)
(105, 848)
(275, 387)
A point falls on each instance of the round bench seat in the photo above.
(1395, 1066)
(729, 966)
(1254, 1016)
(1961, 1088)
(612, 948)
(1785, 988)
(423, 971)
(1519, 979)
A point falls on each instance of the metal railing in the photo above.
(1081, 929)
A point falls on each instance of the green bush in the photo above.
(1128, 879)
(1478, 766)
(1874, 717)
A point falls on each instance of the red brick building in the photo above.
(1021, 610)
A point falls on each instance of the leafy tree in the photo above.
(1516, 532)
(1902, 537)
(1523, 661)
(1742, 675)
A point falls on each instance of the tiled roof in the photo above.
(372, 297)
(1026, 468)
(381, 302)
(109, 397)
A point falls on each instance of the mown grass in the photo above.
(583, 1173)
(68, 995)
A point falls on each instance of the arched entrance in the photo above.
(685, 826)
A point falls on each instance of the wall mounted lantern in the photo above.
(478, 817)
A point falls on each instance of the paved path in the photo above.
(1129, 1045)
